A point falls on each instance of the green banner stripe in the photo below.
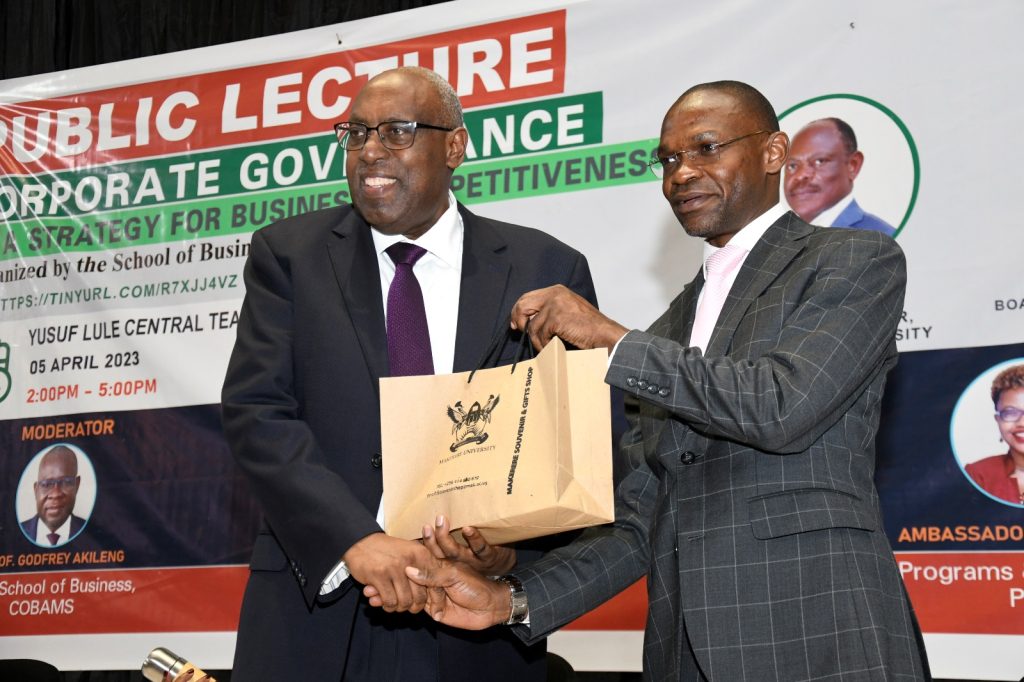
(544, 125)
(569, 171)
(499, 132)
(473, 183)
(153, 182)
(188, 220)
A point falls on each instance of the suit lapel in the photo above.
(355, 268)
(772, 253)
(485, 273)
(684, 310)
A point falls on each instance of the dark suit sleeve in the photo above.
(581, 282)
(310, 508)
(826, 333)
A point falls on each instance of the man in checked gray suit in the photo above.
(750, 504)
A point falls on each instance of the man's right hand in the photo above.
(560, 311)
(378, 561)
(459, 596)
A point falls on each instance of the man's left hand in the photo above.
(478, 554)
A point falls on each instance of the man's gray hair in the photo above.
(451, 108)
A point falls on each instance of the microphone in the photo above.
(162, 665)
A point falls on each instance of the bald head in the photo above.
(449, 109)
(842, 129)
(749, 100)
(62, 457)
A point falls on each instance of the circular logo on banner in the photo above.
(845, 145)
(988, 438)
(55, 495)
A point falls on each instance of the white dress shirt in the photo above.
(42, 530)
(746, 239)
(439, 273)
(829, 215)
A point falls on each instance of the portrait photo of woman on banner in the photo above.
(992, 460)
(1002, 475)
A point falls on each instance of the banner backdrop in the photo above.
(129, 193)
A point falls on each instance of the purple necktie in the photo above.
(408, 336)
(52, 537)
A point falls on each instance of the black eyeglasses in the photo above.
(703, 155)
(1010, 414)
(393, 134)
(65, 482)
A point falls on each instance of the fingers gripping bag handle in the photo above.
(500, 339)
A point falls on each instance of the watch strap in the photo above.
(517, 599)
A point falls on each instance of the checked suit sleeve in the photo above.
(604, 560)
(813, 342)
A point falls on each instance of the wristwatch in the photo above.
(517, 599)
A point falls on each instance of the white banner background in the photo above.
(947, 70)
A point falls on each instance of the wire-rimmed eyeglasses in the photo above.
(703, 155)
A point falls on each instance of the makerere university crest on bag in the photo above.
(469, 425)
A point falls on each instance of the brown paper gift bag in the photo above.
(517, 452)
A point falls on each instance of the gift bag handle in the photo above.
(498, 341)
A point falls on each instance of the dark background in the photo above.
(39, 36)
(168, 472)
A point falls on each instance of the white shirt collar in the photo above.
(829, 215)
(42, 530)
(443, 240)
(751, 233)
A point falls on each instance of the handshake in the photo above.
(437, 574)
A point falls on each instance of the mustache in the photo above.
(684, 192)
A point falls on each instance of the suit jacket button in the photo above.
(653, 388)
(687, 457)
(631, 382)
(663, 392)
(375, 460)
(642, 384)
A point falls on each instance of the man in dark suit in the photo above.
(301, 403)
(823, 163)
(56, 490)
(755, 400)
